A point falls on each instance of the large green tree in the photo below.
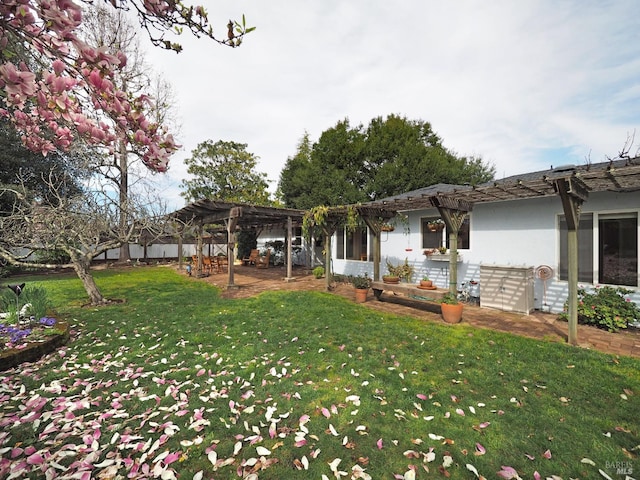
(225, 171)
(390, 156)
(32, 170)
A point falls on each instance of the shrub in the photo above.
(605, 307)
(7, 269)
(247, 241)
(36, 295)
(55, 256)
(318, 272)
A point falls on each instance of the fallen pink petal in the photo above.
(508, 473)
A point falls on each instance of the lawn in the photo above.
(177, 382)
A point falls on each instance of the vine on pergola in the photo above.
(328, 219)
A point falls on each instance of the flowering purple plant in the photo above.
(48, 321)
(15, 334)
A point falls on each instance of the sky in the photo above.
(525, 84)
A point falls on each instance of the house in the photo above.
(513, 235)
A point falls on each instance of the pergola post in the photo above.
(327, 256)
(289, 277)
(232, 222)
(376, 228)
(453, 212)
(572, 194)
(374, 219)
(180, 241)
(376, 255)
(199, 252)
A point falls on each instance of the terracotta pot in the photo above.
(426, 283)
(361, 295)
(451, 313)
(390, 279)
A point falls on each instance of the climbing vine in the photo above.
(320, 217)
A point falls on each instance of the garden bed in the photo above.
(33, 350)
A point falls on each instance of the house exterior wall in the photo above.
(520, 233)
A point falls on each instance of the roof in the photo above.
(613, 176)
(248, 216)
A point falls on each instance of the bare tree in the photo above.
(83, 226)
(112, 29)
(624, 153)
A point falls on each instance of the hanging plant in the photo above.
(436, 225)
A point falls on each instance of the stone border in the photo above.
(34, 351)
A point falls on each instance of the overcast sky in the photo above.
(524, 84)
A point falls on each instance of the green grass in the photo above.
(175, 352)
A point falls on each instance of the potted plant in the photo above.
(406, 271)
(442, 250)
(361, 283)
(451, 308)
(426, 282)
(393, 273)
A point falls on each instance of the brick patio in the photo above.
(250, 281)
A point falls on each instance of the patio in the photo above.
(250, 281)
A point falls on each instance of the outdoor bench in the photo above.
(411, 290)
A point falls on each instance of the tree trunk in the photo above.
(83, 270)
(125, 254)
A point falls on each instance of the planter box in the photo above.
(442, 258)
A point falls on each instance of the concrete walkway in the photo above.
(250, 281)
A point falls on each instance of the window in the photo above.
(463, 235)
(585, 248)
(431, 239)
(340, 243)
(352, 245)
(617, 248)
(296, 236)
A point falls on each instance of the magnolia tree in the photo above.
(66, 90)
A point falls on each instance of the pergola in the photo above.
(572, 184)
(234, 216)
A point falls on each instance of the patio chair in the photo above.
(223, 263)
(207, 265)
(263, 260)
(253, 256)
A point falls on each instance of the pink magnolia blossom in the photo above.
(51, 108)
